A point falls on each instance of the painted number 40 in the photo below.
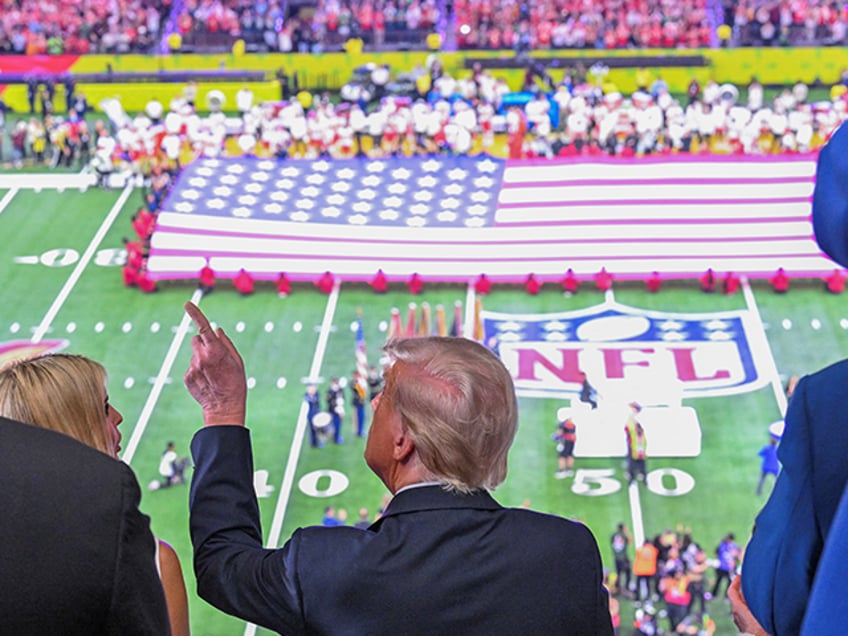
(669, 482)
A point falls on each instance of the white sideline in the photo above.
(299, 434)
(159, 383)
(42, 329)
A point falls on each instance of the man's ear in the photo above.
(403, 446)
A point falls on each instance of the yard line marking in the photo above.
(470, 309)
(636, 520)
(6, 200)
(299, 434)
(760, 347)
(159, 383)
(41, 331)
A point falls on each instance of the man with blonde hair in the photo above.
(444, 557)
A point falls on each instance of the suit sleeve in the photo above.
(828, 598)
(234, 573)
(138, 602)
(785, 544)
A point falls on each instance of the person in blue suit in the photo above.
(444, 558)
(798, 521)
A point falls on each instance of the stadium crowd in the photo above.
(47, 26)
(35, 27)
(609, 24)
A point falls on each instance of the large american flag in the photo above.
(452, 218)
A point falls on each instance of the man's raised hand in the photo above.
(215, 376)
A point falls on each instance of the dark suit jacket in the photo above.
(435, 563)
(784, 551)
(76, 555)
(828, 600)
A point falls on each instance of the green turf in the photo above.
(734, 427)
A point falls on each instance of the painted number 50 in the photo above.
(668, 482)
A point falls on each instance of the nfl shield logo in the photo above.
(655, 357)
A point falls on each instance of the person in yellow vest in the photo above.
(645, 568)
(637, 445)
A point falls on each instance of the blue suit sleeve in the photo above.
(784, 547)
(828, 599)
(234, 572)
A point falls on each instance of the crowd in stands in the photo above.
(33, 27)
(609, 24)
(773, 23)
(47, 26)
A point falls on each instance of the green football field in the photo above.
(62, 287)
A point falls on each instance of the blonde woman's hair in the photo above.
(62, 392)
(457, 402)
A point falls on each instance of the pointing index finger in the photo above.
(200, 321)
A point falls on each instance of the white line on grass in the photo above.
(760, 348)
(159, 383)
(636, 514)
(636, 519)
(41, 330)
(6, 200)
(299, 434)
(470, 307)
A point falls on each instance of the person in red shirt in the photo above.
(653, 282)
(835, 283)
(708, 281)
(483, 285)
(135, 258)
(207, 279)
(243, 282)
(570, 284)
(283, 285)
(325, 283)
(676, 594)
(144, 282)
(379, 283)
(603, 280)
(780, 281)
(532, 285)
(130, 275)
(143, 222)
(730, 284)
(415, 284)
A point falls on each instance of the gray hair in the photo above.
(457, 403)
